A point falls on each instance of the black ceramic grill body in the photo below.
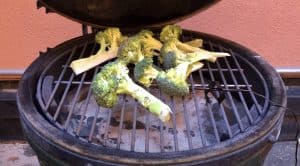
(55, 146)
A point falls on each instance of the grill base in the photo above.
(50, 154)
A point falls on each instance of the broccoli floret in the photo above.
(173, 81)
(173, 32)
(130, 51)
(141, 45)
(145, 72)
(109, 41)
(149, 43)
(114, 80)
(170, 32)
(172, 55)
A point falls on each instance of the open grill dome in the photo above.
(227, 114)
(126, 14)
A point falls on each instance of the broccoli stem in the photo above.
(150, 74)
(183, 69)
(84, 64)
(205, 55)
(195, 43)
(153, 104)
(195, 66)
(186, 47)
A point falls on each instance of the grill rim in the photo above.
(29, 113)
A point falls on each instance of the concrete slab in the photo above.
(17, 154)
(298, 153)
(282, 153)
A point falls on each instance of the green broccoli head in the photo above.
(145, 71)
(141, 45)
(130, 51)
(170, 54)
(169, 46)
(173, 81)
(170, 60)
(149, 43)
(106, 82)
(170, 32)
(113, 80)
(173, 53)
(112, 37)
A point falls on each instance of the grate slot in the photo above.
(66, 89)
(197, 111)
(147, 132)
(59, 79)
(93, 125)
(121, 123)
(222, 69)
(203, 69)
(221, 106)
(77, 93)
(86, 103)
(77, 131)
(161, 128)
(174, 124)
(187, 123)
(196, 86)
(239, 92)
(232, 103)
(133, 132)
(107, 126)
(211, 116)
(247, 84)
(235, 111)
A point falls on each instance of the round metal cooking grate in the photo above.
(223, 103)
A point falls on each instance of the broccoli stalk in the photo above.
(114, 80)
(202, 54)
(195, 66)
(109, 41)
(195, 43)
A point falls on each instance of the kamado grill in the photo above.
(232, 115)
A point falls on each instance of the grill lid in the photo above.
(127, 14)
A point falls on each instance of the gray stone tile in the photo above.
(282, 154)
(17, 154)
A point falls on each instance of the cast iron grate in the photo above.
(199, 119)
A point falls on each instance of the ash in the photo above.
(107, 123)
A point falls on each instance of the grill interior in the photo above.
(198, 120)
